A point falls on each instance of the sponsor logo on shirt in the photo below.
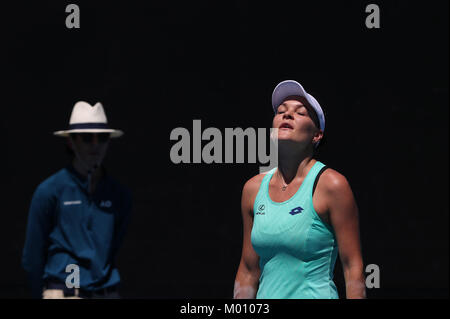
(72, 202)
(261, 210)
(296, 210)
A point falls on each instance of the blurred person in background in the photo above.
(78, 217)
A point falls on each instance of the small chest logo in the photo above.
(261, 210)
(105, 203)
(296, 210)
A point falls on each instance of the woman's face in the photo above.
(295, 123)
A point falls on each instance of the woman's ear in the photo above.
(318, 136)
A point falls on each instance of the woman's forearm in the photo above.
(245, 285)
(355, 287)
(244, 291)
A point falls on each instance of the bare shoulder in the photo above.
(251, 187)
(250, 191)
(333, 182)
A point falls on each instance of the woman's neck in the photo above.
(293, 161)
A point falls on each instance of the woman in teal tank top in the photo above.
(299, 216)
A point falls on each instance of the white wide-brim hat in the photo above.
(86, 118)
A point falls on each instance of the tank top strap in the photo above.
(267, 178)
(262, 195)
(311, 177)
(315, 170)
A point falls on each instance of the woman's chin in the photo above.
(285, 135)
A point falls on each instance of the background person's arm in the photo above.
(344, 219)
(247, 277)
(40, 224)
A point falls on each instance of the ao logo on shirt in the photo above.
(105, 203)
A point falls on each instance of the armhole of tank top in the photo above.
(317, 178)
(327, 225)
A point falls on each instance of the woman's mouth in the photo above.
(286, 126)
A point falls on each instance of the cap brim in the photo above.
(285, 89)
(114, 133)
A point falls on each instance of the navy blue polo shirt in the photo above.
(67, 225)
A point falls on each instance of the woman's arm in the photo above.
(247, 277)
(343, 213)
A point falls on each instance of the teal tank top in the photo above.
(297, 249)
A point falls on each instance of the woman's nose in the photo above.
(288, 114)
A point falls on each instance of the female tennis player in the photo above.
(298, 216)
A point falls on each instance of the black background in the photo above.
(156, 66)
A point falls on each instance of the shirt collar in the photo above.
(82, 180)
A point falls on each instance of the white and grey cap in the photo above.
(291, 87)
